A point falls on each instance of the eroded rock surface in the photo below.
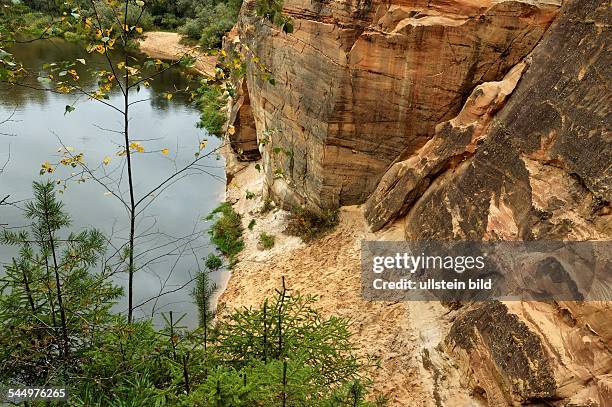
(455, 140)
(360, 85)
(542, 171)
(242, 133)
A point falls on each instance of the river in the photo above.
(173, 233)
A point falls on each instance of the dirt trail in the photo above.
(395, 333)
(166, 45)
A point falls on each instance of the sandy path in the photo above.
(394, 333)
(166, 45)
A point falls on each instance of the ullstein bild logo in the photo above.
(481, 271)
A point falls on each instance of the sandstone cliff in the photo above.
(362, 84)
(448, 119)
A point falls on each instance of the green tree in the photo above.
(51, 306)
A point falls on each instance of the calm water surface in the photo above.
(173, 224)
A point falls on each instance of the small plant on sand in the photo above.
(267, 206)
(213, 262)
(226, 232)
(310, 224)
(266, 241)
(251, 224)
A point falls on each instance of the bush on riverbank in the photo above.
(213, 19)
(210, 100)
(226, 232)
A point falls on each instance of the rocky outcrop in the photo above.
(455, 140)
(543, 170)
(473, 120)
(521, 353)
(360, 85)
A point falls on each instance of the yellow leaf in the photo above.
(231, 130)
(165, 151)
(203, 144)
(169, 96)
(107, 160)
(46, 167)
(137, 147)
(139, 30)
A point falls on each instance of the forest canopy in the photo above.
(204, 21)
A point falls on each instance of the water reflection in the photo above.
(173, 222)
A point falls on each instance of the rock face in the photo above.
(360, 85)
(471, 120)
(541, 170)
(455, 140)
(242, 133)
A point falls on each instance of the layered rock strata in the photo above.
(360, 85)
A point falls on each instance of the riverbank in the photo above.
(167, 45)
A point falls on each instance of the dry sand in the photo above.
(399, 335)
(166, 45)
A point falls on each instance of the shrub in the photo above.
(191, 29)
(310, 224)
(226, 232)
(266, 241)
(213, 262)
(251, 224)
(213, 19)
(210, 100)
(217, 21)
(267, 206)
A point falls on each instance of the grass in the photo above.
(266, 241)
(310, 224)
(226, 232)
